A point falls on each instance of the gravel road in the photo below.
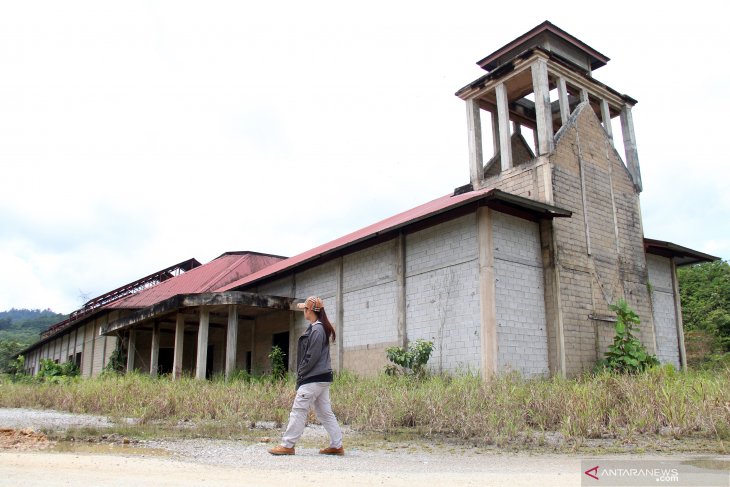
(224, 462)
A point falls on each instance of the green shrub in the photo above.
(278, 370)
(412, 360)
(626, 355)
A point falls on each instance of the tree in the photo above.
(705, 293)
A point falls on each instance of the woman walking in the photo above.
(314, 376)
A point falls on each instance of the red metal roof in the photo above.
(216, 273)
(419, 213)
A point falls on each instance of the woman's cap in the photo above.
(313, 302)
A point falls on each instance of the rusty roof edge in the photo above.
(492, 194)
(199, 299)
(661, 247)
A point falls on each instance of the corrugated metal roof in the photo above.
(227, 268)
(682, 255)
(414, 215)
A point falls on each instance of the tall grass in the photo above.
(660, 401)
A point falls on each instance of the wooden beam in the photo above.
(543, 109)
(476, 158)
(202, 357)
(179, 343)
(505, 144)
(231, 339)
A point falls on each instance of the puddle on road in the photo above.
(709, 463)
(107, 449)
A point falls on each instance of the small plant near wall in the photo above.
(276, 356)
(626, 355)
(412, 360)
(117, 363)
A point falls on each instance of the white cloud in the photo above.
(135, 135)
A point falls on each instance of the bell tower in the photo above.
(535, 82)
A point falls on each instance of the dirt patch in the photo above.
(23, 440)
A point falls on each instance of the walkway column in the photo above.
(543, 110)
(155, 352)
(179, 341)
(487, 293)
(474, 126)
(202, 359)
(131, 349)
(231, 339)
(505, 144)
(632, 156)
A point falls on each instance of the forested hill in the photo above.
(25, 325)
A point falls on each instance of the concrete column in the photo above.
(231, 339)
(505, 144)
(583, 95)
(678, 317)
(632, 156)
(178, 352)
(340, 304)
(563, 100)
(155, 349)
(543, 111)
(202, 358)
(131, 349)
(606, 116)
(553, 300)
(400, 279)
(487, 293)
(495, 132)
(474, 126)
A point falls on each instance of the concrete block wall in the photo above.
(521, 321)
(665, 312)
(442, 293)
(613, 266)
(319, 281)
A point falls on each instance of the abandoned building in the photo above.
(514, 271)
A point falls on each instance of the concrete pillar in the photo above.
(553, 299)
(231, 339)
(678, 317)
(583, 95)
(178, 352)
(155, 349)
(487, 293)
(340, 305)
(606, 118)
(543, 111)
(563, 100)
(400, 279)
(474, 126)
(495, 132)
(202, 358)
(131, 349)
(632, 156)
(505, 145)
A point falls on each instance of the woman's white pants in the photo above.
(315, 394)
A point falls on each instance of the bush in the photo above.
(278, 370)
(627, 355)
(413, 360)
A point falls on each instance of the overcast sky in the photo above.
(137, 134)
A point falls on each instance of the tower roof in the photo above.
(550, 38)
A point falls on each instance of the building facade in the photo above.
(514, 271)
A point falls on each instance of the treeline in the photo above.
(705, 293)
(20, 328)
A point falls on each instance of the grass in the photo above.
(659, 407)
